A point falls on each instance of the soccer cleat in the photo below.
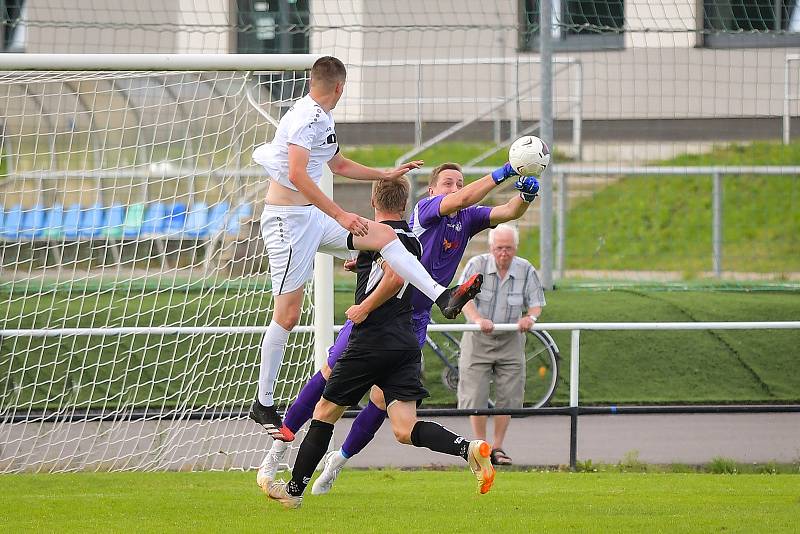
(269, 467)
(267, 416)
(277, 492)
(330, 470)
(456, 297)
(480, 462)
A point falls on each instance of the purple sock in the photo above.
(363, 430)
(302, 408)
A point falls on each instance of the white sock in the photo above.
(339, 459)
(272, 348)
(410, 269)
(278, 447)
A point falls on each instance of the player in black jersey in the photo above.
(383, 351)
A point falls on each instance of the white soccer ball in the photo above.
(529, 156)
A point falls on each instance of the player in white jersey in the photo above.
(300, 220)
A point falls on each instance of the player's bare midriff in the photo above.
(280, 195)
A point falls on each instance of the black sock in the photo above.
(313, 448)
(437, 438)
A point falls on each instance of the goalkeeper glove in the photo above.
(506, 171)
(528, 187)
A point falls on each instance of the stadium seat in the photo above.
(53, 225)
(134, 218)
(33, 222)
(216, 217)
(92, 222)
(176, 220)
(71, 221)
(155, 218)
(12, 223)
(197, 221)
(235, 222)
(114, 221)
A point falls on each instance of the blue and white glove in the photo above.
(528, 187)
(501, 174)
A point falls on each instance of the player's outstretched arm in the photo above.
(471, 194)
(388, 286)
(298, 175)
(355, 171)
(528, 187)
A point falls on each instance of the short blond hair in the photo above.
(391, 195)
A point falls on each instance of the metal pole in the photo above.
(561, 216)
(577, 117)
(284, 37)
(323, 290)
(517, 109)
(716, 224)
(574, 363)
(786, 118)
(546, 131)
(418, 122)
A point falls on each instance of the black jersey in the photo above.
(389, 326)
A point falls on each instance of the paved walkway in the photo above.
(662, 439)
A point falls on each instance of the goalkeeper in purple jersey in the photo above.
(444, 222)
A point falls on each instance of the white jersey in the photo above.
(307, 125)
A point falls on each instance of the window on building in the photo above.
(751, 23)
(13, 25)
(577, 24)
(272, 27)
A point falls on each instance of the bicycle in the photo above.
(541, 369)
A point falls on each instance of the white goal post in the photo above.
(128, 200)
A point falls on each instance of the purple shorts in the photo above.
(419, 320)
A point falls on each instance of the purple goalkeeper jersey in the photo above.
(444, 240)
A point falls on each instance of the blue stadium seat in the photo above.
(155, 218)
(92, 222)
(115, 220)
(53, 225)
(33, 222)
(72, 221)
(176, 220)
(12, 223)
(216, 217)
(197, 220)
(235, 222)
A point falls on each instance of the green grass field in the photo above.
(404, 501)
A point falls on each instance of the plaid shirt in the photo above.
(505, 301)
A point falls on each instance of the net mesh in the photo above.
(129, 200)
(637, 85)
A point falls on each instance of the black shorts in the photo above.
(396, 372)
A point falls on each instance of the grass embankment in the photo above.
(406, 501)
(663, 223)
(221, 370)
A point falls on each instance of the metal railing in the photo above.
(494, 105)
(573, 410)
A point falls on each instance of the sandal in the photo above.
(499, 457)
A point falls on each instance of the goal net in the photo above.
(135, 286)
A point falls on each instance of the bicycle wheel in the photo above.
(541, 368)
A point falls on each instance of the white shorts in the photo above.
(292, 235)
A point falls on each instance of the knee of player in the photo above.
(383, 233)
(288, 319)
(402, 434)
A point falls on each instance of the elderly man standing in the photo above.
(511, 293)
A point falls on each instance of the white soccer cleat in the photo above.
(272, 461)
(277, 492)
(479, 457)
(332, 466)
